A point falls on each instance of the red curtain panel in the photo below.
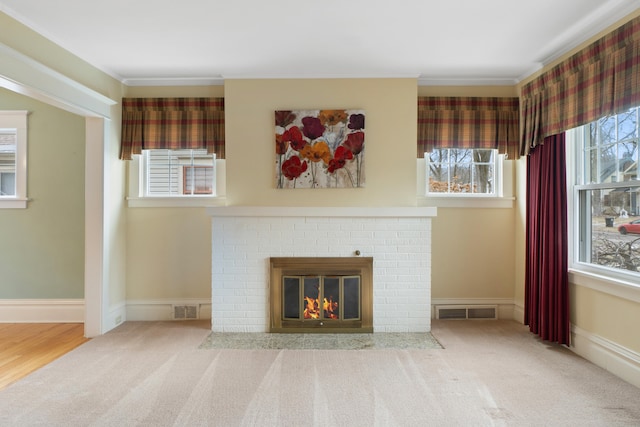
(546, 275)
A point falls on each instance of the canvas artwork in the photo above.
(319, 148)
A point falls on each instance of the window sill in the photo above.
(612, 286)
(175, 202)
(466, 202)
(13, 203)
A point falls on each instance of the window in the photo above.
(607, 195)
(198, 179)
(176, 178)
(168, 173)
(8, 144)
(464, 172)
(13, 159)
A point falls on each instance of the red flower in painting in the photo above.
(281, 146)
(293, 167)
(356, 121)
(340, 158)
(355, 142)
(284, 118)
(294, 136)
(312, 127)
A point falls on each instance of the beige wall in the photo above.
(161, 242)
(603, 314)
(169, 253)
(519, 235)
(174, 91)
(473, 254)
(390, 109)
(169, 249)
(156, 269)
(473, 249)
(503, 91)
(42, 247)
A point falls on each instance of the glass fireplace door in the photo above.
(309, 298)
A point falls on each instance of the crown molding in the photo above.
(596, 22)
(174, 81)
(466, 81)
(590, 26)
(593, 24)
(372, 75)
(219, 80)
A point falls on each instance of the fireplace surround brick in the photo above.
(244, 239)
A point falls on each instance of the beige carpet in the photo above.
(490, 373)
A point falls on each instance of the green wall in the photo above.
(42, 247)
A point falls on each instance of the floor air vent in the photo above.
(185, 312)
(457, 312)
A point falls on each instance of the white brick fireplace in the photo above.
(244, 238)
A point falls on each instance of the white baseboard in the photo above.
(42, 311)
(72, 310)
(518, 313)
(620, 361)
(146, 310)
(505, 305)
(116, 315)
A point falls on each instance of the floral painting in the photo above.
(319, 148)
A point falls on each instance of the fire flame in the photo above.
(312, 308)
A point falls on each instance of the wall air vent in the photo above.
(185, 312)
(459, 312)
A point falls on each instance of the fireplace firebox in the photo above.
(319, 294)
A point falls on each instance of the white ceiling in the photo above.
(197, 41)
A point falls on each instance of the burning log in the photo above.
(312, 307)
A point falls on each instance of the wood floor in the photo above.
(25, 347)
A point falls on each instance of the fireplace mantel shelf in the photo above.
(322, 211)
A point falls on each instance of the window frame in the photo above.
(497, 175)
(138, 199)
(17, 119)
(503, 199)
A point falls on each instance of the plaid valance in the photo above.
(601, 79)
(174, 123)
(468, 122)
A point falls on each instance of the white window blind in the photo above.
(178, 173)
